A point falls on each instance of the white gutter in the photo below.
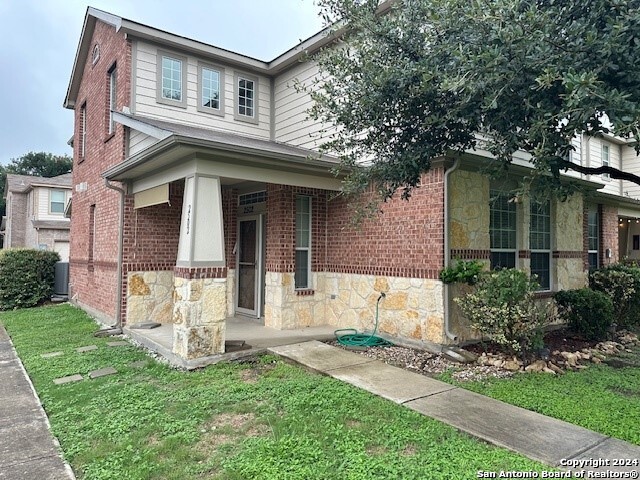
(445, 286)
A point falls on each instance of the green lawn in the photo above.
(599, 398)
(259, 420)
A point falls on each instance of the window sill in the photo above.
(305, 292)
(109, 136)
(544, 294)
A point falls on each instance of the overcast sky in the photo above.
(39, 38)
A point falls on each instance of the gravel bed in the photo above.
(429, 364)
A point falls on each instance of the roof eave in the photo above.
(116, 172)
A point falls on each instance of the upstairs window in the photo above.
(210, 93)
(172, 79)
(540, 242)
(502, 230)
(112, 99)
(605, 161)
(56, 201)
(246, 98)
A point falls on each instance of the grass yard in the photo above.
(600, 398)
(259, 420)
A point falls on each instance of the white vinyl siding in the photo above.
(146, 93)
(630, 163)
(138, 141)
(43, 203)
(291, 123)
(596, 159)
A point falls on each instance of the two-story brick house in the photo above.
(35, 213)
(199, 195)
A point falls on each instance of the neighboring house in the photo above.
(199, 196)
(35, 213)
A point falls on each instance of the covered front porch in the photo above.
(256, 338)
(218, 252)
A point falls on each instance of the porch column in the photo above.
(200, 304)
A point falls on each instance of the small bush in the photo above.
(622, 284)
(503, 307)
(462, 272)
(588, 312)
(26, 277)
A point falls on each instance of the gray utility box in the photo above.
(61, 279)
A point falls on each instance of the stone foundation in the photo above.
(150, 297)
(412, 307)
(199, 312)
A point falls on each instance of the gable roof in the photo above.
(139, 30)
(23, 183)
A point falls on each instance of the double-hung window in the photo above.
(605, 160)
(210, 93)
(540, 242)
(303, 242)
(246, 108)
(592, 238)
(502, 230)
(56, 201)
(172, 79)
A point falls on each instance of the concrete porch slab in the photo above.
(259, 337)
(392, 383)
(538, 437)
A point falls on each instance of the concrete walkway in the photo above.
(536, 436)
(28, 450)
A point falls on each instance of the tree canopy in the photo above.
(41, 164)
(430, 78)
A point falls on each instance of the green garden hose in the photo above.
(355, 339)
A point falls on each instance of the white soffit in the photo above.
(151, 196)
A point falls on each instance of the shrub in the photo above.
(26, 277)
(503, 307)
(588, 312)
(462, 272)
(622, 284)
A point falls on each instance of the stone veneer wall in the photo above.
(150, 297)
(199, 312)
(412, 308)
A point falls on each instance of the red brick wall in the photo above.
(406, 240)
(608, 233)
(281, 225)
(230, 219)
(97, 287)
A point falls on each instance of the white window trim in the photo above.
(256, 98)
(307, 249)
(182, 103)
(64, 201)
(514, 251)
(548, 251)
(201, 108)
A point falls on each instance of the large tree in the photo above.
(41, 164)
(427, 78)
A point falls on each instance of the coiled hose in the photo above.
(349, 337)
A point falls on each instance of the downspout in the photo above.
(445, 286)
(120, 190)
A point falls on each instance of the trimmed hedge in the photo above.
(588, 312)
(26, 277)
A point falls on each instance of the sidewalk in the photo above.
(28, 450)
(536, 436)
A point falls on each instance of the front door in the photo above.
(249, 269)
